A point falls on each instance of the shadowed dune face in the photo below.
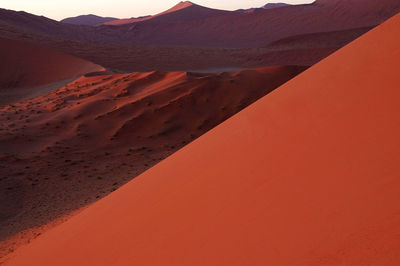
(24, 65)
(66, 149)
(308, 175)
(27, 65)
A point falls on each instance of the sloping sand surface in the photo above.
(308, 175)
(66, 149)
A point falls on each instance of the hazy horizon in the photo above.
(60, 9)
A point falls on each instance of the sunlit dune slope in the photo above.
(309, 175)
(66, 149)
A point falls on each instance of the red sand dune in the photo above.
(308, 175)
(66, 149)
(25, 65)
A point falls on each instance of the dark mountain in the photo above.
(267, 6)
(90, 20)
(274, 5)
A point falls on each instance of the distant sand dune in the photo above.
(25, 66)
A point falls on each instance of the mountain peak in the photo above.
(181, 5)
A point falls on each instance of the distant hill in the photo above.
(274, 5)
(267, 6)
(28, 69)
(89, 20)
(26, 65)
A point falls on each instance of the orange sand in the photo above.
(66, 149)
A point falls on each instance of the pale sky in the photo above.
(59, 9)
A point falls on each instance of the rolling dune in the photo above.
(64, 150)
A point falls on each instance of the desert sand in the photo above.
(308, 175)
(66, 149)
(27, 65)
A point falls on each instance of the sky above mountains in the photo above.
(59, 9)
